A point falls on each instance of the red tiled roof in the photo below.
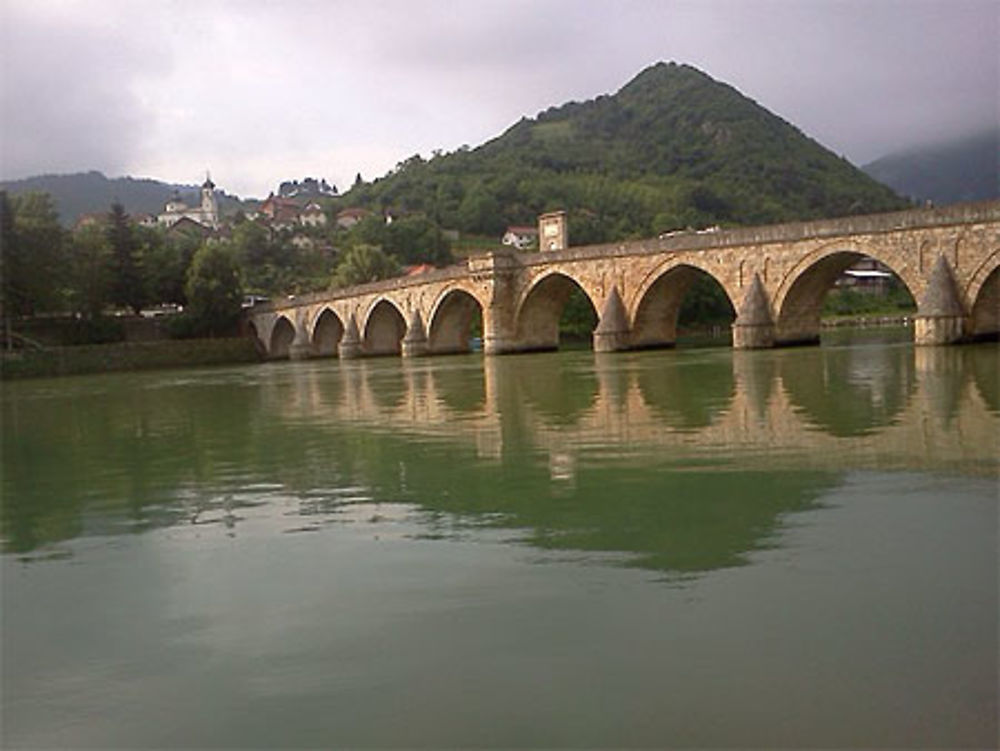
(422, 268)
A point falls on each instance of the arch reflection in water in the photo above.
(688, 390)
(545, 386)
(849, 391)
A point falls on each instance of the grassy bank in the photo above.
(105, 358)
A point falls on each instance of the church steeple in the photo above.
(209, 204)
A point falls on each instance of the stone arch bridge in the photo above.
(775, 276)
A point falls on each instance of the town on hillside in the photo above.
(300, 214)
(112, 267)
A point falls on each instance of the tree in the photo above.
(90, 271)
(253, 245)
(267, 262)
(213, 290)
(164, 265)
(362, 264)
(32, 264)
(185, 242)
(705, 304)
(479, 212)
(126, 285)
(371, 230)
(416, 239)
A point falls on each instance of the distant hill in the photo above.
(964, 169)
(672, 148)
(92, 192)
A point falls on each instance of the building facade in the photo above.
(205, 214)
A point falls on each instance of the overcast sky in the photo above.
(262, 91)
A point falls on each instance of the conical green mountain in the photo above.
(673, 148)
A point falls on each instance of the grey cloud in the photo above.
(406, 76)
(69, 99)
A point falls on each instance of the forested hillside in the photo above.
(672, 149)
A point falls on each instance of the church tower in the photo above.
(209, 203)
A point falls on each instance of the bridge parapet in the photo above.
(455, 271)
(692, 240)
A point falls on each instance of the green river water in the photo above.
(689, 548)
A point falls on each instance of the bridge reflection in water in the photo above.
(895, 407)
(682, 462)
(674, 461)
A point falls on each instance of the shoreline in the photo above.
(52, 362)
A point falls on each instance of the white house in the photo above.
(313, 215)
(521, 237)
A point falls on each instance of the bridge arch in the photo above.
(658, 299)
(540, 308)
(984, 294)
(452, 318)
(327, 332)
(282, 336)
(798, 299)
(383, 329)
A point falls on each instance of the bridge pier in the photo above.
(612, 333)
(301, 347)
(414, 342)
(349, 347)
(940, 315)
(509, 346)
(754, 326)
(747, 336)
(938, 330)
(300, 351)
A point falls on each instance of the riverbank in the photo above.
(107, 358)
(867, 321)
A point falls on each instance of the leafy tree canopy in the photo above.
(127, 288)
(362, 264)
(214, 290)
(32, 268)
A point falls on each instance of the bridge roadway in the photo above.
(775, 276)
(907, 410)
